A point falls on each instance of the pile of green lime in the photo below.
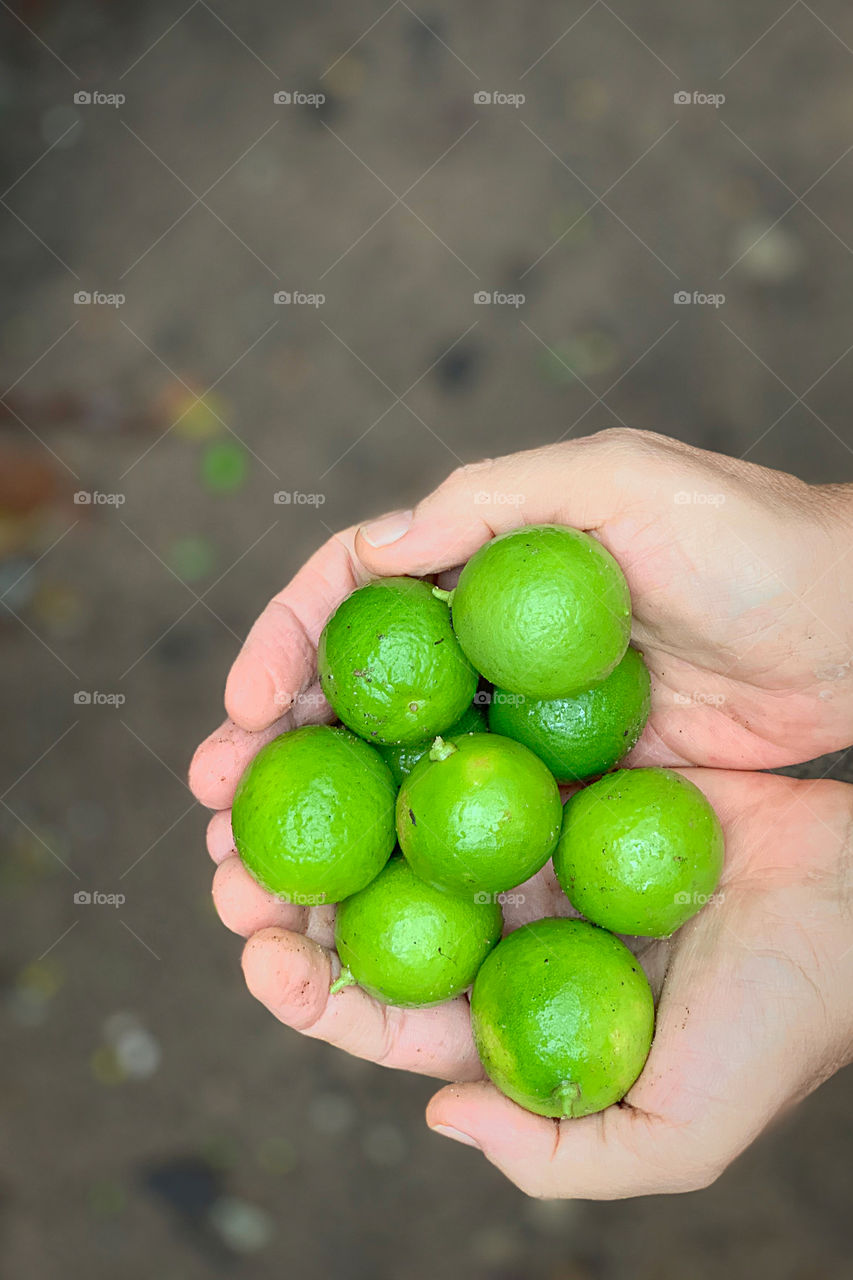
(562, 1013)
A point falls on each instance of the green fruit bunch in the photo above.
(562, 1013)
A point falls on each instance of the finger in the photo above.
(221, 760)
(615, 1153)
(279, 657)
(577, 483)
(245, 907)
(220, 837)
(291, 974)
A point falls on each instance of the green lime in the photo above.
(585, 734)
(407, 943)
(390, 664)
(543, 610)
(401, 757)
(313, 817)
(479, 813)
(641, 851)
(563, 1017)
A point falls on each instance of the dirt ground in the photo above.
(158, 1121)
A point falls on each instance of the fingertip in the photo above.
(220, 837)
(288, 974)
(386, 530)
(451, 1105)
(212, 773)
(245, 907)
(434, 542)
(261, 961)
(504, 1131)
(252, 699)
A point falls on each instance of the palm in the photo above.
(765, 943)
(738, 647)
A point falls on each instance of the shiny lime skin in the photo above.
(390, 664)
(543, 610)
(583, 735)
(409, 944)
(641, 851)
(482, 819)
(563, 1017)
(313, 816)
(401, 758)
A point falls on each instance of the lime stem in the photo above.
(569, 1095)
(441, 594)
(345, 979)
(440, 749)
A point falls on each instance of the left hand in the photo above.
(754, 1011)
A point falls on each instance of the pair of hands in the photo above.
(741, 583)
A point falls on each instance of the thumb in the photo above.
(578, 483)
(616, 1153)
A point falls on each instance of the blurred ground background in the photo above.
(160, 1122)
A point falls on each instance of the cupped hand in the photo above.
(741, 580)
(754, 1005)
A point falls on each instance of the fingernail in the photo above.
(387, 530)
(456, 1134)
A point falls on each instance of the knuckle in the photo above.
(626, 439)
(467, 474)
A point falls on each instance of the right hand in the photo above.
(741, 580)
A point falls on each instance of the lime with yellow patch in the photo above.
(563, 1018)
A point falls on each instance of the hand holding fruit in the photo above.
(253, 687)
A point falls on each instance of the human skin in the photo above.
(742, 608)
